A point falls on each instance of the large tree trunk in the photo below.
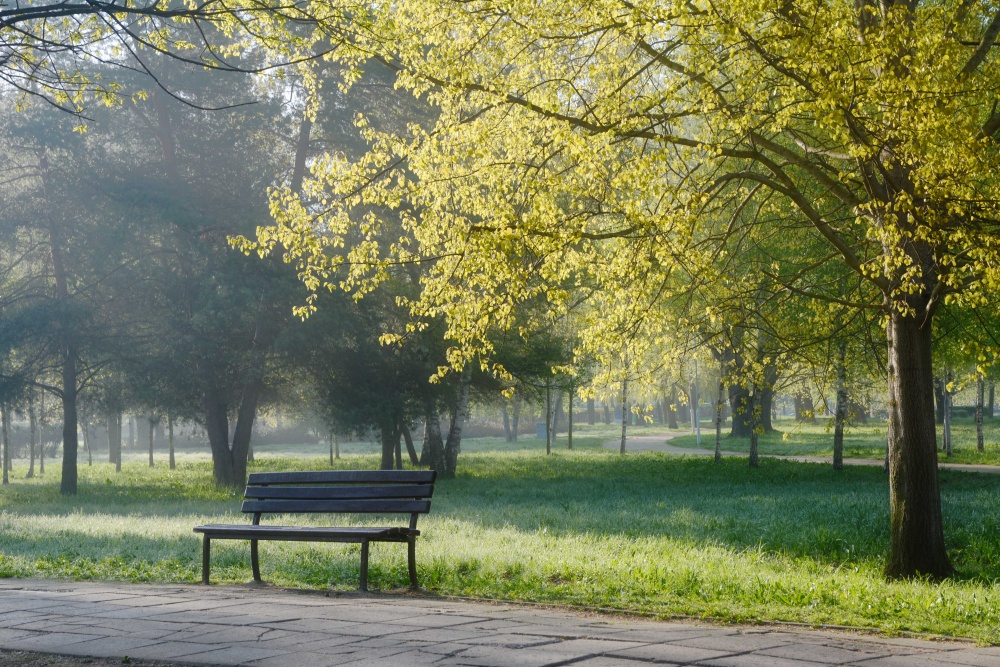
(992, 400)
(505, 413)
(389, 437)
(841, 410)
(591, 416)
(453, 444)
(917, 538)
(71, 443)
(516, 418)
(607, 413)
(229, 460)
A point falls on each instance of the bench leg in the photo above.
(411, 557)
(206, 558)
(254, 561)
(363, 586)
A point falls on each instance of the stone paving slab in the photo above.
(254, 626)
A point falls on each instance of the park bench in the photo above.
(333, 492)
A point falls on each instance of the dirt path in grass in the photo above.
(661, 443)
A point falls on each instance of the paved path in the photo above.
(271, 627)
(661, 443)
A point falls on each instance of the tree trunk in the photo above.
(454, 442)
(766, 401)
(548, 418)
(151, 427)
(752, 415)
(720, 405)
(591, 416)
(672, 411)
(71, 443)
(516, 418)
(939, 401)
(33, 434)
(170, 441)
(410, 450)
(386, 432)
(917, 538)
(432, 451)
(506, 422)
(569, 420)
(397, 450)
(739, 402)
(556, 416)
(989, 405)
(607, 413)
(86, 443)
(980, 391)
(947, 415)
(115, 439)
(841, 413)
(621, 449)
(5, 425)
(806, 409)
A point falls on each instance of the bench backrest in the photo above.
(340, 491)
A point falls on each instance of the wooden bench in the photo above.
(328, 491)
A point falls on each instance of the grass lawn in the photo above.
(650, 532)
(862, 441)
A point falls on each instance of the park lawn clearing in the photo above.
(861, 441)
(652, 533)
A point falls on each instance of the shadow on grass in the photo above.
(799, 510)
(791, 509)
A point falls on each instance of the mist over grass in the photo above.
(648, 532)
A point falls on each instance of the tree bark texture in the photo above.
(389, 437)
(672, 409)
(752, 413)
(115, 439)
(739, 403)
(515, 422)
(548, 418)
(506, 422)
(151, 427)
(916, 534)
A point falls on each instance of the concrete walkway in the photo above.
(271, 627)
(661, 443)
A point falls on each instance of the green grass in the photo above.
(861, 441)
(650, 532)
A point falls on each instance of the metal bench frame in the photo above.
(334, 492)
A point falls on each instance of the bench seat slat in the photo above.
(306, 533)
(338, 506)
(339, 492)
(344, 477)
